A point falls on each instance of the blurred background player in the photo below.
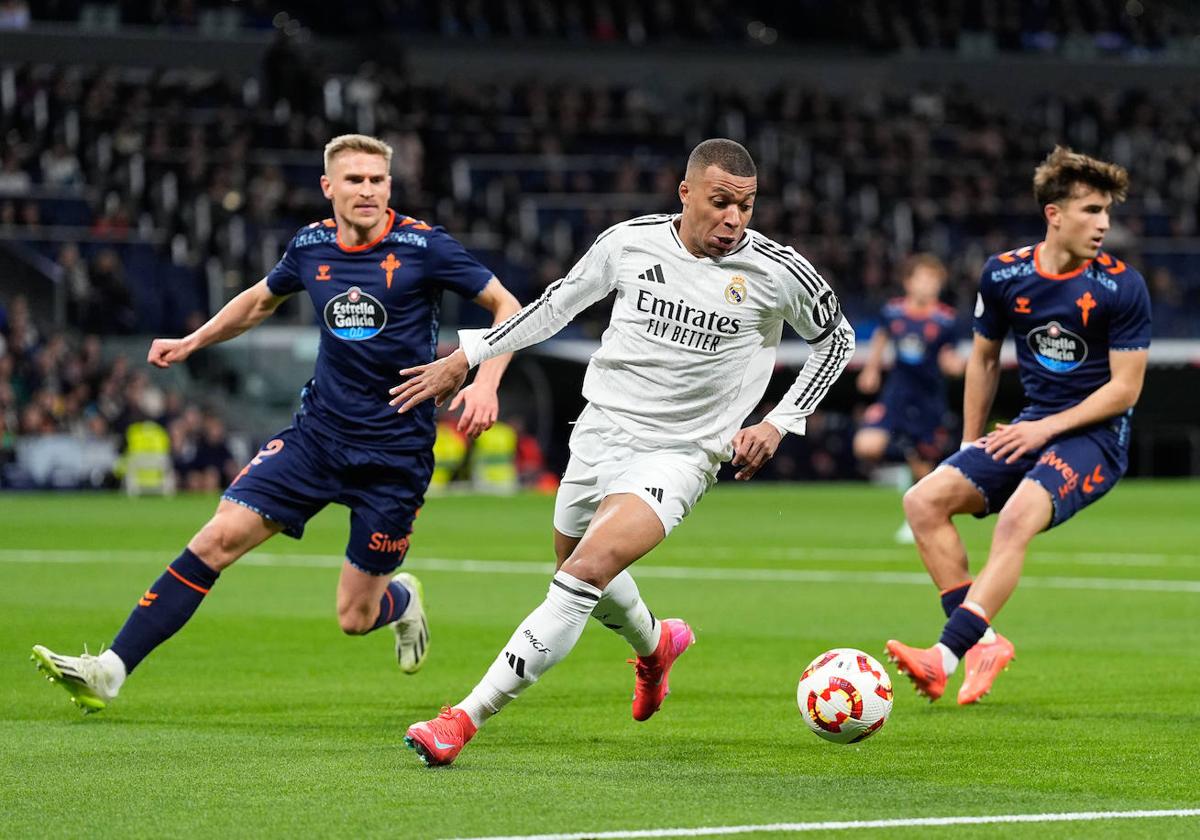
(910, 416)
(699, 313)
(375, 279)
(1080, 319)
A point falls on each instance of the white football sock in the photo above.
(988, 636)
(622, 610)
(541, 641)
(949, 660)
(114, 668)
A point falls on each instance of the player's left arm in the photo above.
(479, 401)
(1116, 396)
(812, 309)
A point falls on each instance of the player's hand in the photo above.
(438, 379)
(753, 446)
(868, 381)
(1010, 441)
(480, 407)
(165, 352)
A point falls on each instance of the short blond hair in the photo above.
(1063, 168)
(925, 260)
(357, 143)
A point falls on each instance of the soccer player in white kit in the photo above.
(700, 305)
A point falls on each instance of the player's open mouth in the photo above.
(724, 242)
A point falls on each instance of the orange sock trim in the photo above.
(186, 582)
(975, 612)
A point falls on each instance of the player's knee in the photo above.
(217, 544)
(596, 568)
(1018, 523)
(922, 507)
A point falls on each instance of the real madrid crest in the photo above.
(735, 292)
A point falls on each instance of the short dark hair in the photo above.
(727, 155)
(1062, 169)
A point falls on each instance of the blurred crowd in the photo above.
(880, 25)
(195, 183)
(55, 385)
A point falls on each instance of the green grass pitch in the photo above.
(261, 719)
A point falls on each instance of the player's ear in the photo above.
(683, 192)
(1053, 214)
(326, 186)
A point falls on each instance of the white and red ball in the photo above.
(845, 696)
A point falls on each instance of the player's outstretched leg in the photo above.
(650, 686)
(412, 627)
(542, 640)
(92, 681)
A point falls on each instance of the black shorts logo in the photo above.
(355, 315)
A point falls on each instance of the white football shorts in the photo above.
(606, 460)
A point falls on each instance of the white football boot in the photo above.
(86, 678)
(411, 628)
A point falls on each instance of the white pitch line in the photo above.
(519, 567)
(713, 831)
(891, 555)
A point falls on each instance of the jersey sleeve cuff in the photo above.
(472, 345)
(796, 426)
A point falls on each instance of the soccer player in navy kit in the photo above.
(911, 412)
(376, 279)
(1080, 319)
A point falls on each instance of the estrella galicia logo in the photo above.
(1056, 348)
(355, 315)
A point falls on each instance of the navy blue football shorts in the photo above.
(300, 471)
(915, 425)
(1075, 469)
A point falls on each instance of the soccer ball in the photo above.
(845, 696)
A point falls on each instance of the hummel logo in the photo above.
(516, 663)
(653, 275)
(656, 492)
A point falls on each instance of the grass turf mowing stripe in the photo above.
(437, 564)
(771, 828)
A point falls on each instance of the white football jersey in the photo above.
(691, 343)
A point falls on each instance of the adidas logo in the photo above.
(653, 275)
(516, 663)
(656, 492)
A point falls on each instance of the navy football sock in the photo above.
(392, 605)
(166, 606)
(952, 598)
(963, 630)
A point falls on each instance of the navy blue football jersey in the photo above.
(1064, 324)
(917, 337)
(377, 305)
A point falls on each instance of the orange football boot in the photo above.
(650, 684)
(984, 663)
(921, 665)
(439, 741)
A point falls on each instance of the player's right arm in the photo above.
(869, 376)
(979, 389)
(247, 310)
